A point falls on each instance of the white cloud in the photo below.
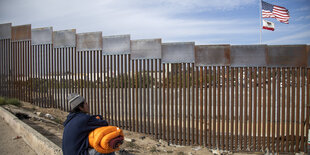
(301, 18)
(305, 8)
(292, 39)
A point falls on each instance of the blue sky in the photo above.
(201, 21)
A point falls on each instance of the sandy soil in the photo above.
(11, 143)
(135, 143)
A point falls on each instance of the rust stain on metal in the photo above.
(21, 32)
(287, 56)
(212, 55)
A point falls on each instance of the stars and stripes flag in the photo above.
(273, 11)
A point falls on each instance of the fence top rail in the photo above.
(64, 38)
(42, 36)
(178, 52)
(21, 32)
(114, 45)
(258, 55)
(90, 41)
(212, 55)
(5, 31)
(248, 55)
(287, 56)
(146, 49)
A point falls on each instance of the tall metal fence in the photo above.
(231, 97)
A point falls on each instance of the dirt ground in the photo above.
(11, 143)
(48, 122)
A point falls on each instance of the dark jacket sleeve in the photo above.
(93, 121)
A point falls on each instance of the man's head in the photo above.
(78, 103)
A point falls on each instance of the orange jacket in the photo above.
(99, 138)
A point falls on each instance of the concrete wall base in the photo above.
(40, 144)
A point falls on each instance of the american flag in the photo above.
(273, 11)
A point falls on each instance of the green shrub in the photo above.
(2, 101)
(13, 101)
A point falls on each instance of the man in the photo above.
(77, 127)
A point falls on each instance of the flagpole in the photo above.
(260, 21)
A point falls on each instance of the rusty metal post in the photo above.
(200, 105)
(136, 97)
(73, 71)
(188, 104)
(218, 106)
(293, 109)
(31, 72)
(91, 68)
(181, 103)
(140, 96)
(160, 99)
(236, 110)
(241, 111)
(273, 109)
(223, 106)
(269, 108)
(117, 91)
(172, 102)
(143, 103)
(264, 110)
(18, 70)
(63, 82)
(156, 100)
(197, 103)
(67, 79)
(308, 106)
(164, 100)
(193, 105)
(184, 104)
(103, 67)
(227, 108)
(152, 98)
(206, 136)
(22, 70)
(255, 108)
(283, 110)
(298, 111)
(210, 107)
(302, 129)
(83, 73)
(259, 121)
(133, 95)
(113, 90)
(288, 108)
(108, 88)
(118, 110)
(168, 101)
(129, 89)
(278, 108)
(250, 109)
(86, 61)
(101, 83)
(124, 84)
(232, 109)
(246, 145)
(176, 105)
(79, 71)
(214, 106)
